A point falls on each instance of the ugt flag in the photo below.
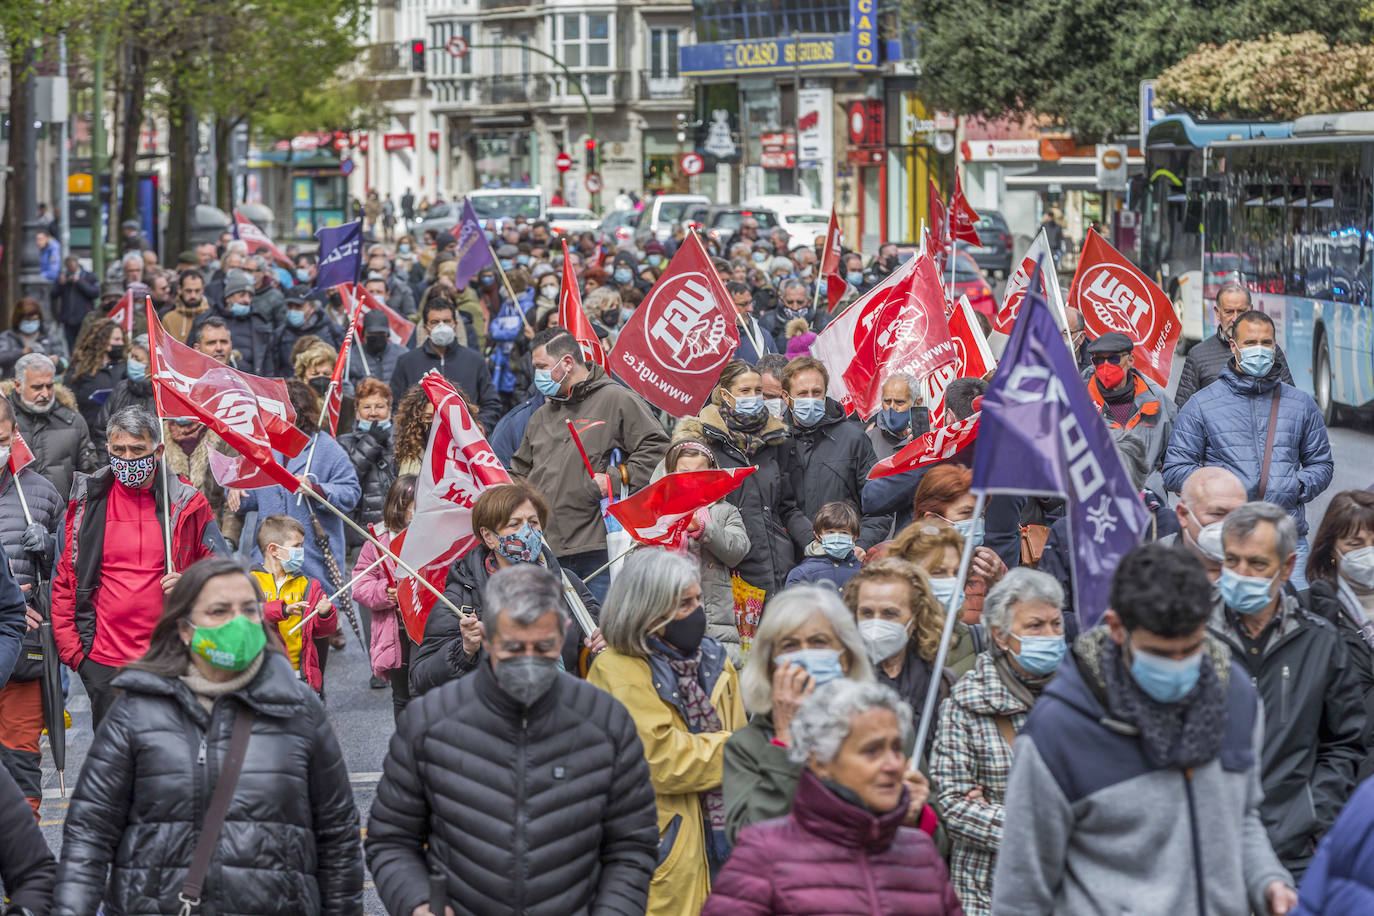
(341, 254)
(258, 241)
(123, 312)
(1041, 434)
(399, 328)
(1019, 281)
(473, 251)
(660, 514)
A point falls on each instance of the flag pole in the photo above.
(602, 569)
(351, 582)
(319, 425)
(505, 281)
(951, 615)
(23, 503)
(584, 619)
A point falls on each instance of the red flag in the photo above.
(257, 240)
(597, 257)
(333, 400)
(830, 259)
(1114, 295)
(938, 219)
(835, 288)
(123, 312)
(659, 514)
(571, 316)
(682, 334)
(940, 444)
(962, 217)
(401, 329)
(1015, 293)
(973, 358)
(21, 456)
(910, 334)
(838, 345)
(458, 465)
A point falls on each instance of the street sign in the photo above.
(457, 46)
(563, 162)
(593, 182)
(1111, 166)
(691, 164)
(346, 166)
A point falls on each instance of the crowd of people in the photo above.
(737, 731)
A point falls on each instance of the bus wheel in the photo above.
(1321, 382)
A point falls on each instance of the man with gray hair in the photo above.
(901, 419)
(1205, 361)
(525, 787)
(114, 565)
(47, 418)
(1313, 706)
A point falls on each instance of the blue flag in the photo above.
(1040, 434)
(473, 252)
(340, 254)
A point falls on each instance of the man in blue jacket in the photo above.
(1266, 432)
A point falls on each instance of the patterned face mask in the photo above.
(133, 472)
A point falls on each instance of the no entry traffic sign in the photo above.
(457, 46)
(563, 162)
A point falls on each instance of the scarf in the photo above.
(701, 717)
(206, 690)
(1179, 735)
(744, 432)
(1025, 689)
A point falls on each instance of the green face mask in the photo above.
(231, 646)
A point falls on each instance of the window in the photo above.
(663, 53)
(446, 64)
(582, 41)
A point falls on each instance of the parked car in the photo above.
(781, 203)
(723, 220)
(660, 213)
(969, 281)
(503, 204)
(439, 217)
(617, 227)
(571, 220)
(995, 254)
(804, 226)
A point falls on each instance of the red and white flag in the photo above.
(681, 336)
(962, 216)
(21, 456)
(400, 329)
(838, 345)
(458, 465)
(973, 358)
(333, 400)
(939, 219)
(830, 258)
(659, 514)
(123, 312)
(571, 316)
(940, 444)
(258, 242)
(1020, 278)
(1114, 295)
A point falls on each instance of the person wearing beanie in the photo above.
(377, 353)
(250, 333)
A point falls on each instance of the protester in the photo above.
(135, 389)
(97, 366)
(302, 316)
(251, 333)
(1209, 494)
(27, 867)
(1268, 433)
(944, 498)
(378, 355)
(139, 808)
(73, 297)
(1135, 783)
(972, 754)
(524, 789)
(900, 419)
(754, 341)
(371, 449)
(289, 598)
(845, 847)
(683, 695)
(831, 557)
(1314, 718)
(189, 444)
(189, 305)
(414, 416)
(1127, 400)
(806, 639)
(212, 338)
(1206, 360)
(389, 644)
(461, 366)
(30, 332)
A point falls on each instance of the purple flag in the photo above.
(473, 251)
(340, 254)
(1039, 434)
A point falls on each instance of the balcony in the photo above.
(664, 87)
(517, 89)
(386, 58)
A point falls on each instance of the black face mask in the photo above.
(685, 634)
(375, 344)
(611, 318)
(117, 354)
(320, 383)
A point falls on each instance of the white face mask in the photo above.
(883, 638)
(1357, 566)
(1208, 538)
(775, 406)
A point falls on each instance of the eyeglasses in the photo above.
(1113, 358)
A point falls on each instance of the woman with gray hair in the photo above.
(683, 695)
(805, 640)
(845, 848)
(971, 759)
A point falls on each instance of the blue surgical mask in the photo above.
(1040, 654)
(1256, 361)
(623, 275)
(491, 236)
(30, 326)
(403, 248)
(655, 260)
(759, 257)
(487, 280)
(808, 411)
(748, 405)
(894, 421)
(295, 559)
(1244, 594)
(240, 309)
(544, 381)
(822, 664)
(302, 275)
(854, 277)
(295, 318)
(970, 528)
(943, 588)
(837, 545)
(367, 426)
(507, 264)
(135, 371)
(1166, 680)
(522, 259)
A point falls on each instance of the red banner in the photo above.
(838, 345)
(257, 240)
(123, 312)
(973, 358)
(940, 444)
(962, 217)
(1114, 295)
(21, 456)
(938, 219)
(400, 328)
(681, 336)
(659, 514)
(572, 317)
(830, 259)
(1020, 278)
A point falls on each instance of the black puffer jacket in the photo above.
(127, 393)
(47, 509)
(289, 844)
(835, 456)
(440, 657)
(59, 439)
(104, 379)
(546, 809)
(373, 458)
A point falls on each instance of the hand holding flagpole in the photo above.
(351, 582)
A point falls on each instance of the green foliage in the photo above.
(347, 105)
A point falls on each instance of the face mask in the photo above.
(808, 411)
(894, 421)
(135, 371)
(1208, 537)
(380, 426)
(822, 664)
(294, 560)
(302, 275)
(526, 678)
(1166, 680)
(803, 312)
(883, 638)
(240, 309)
(943, 588)
(443, 335)
(1255, 361)
(230, 646)
(622, 275)
(655, 260)
(522, 259)
(776, 406)
(524, 546)
(491, 236)
(837, 546)
(1357, 566)
(487, 280)
(117, 353)
(375, 343)
(403, 248)
(1244, 594)
(295, 317)
(4, 454)
(507, 264)
(970, 528)
(759, 257)
(749, 405)
(1040, 654)
(321, 385)
(133, 472)
(30, 326)
(854, 278)
(544, 381)
(1109, 376)
(685, 634)
(611, 318)
(548, 292)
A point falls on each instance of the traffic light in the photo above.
(591, 156)
(417, 56)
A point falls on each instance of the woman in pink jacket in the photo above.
(376, 591)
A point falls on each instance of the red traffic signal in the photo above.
(417, 56)
(591, 145)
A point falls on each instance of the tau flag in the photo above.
(681, 336)
(1114, 295)
(341, 254)
(1042, 435)
(659, 514)
(473, 251)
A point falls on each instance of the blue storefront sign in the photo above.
(863, 30)
(856, 49)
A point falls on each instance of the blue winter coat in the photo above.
(1224, 425)
(1340, 879)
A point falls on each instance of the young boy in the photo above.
(291, 595)
(830, 557)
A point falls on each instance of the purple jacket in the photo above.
(830, 856)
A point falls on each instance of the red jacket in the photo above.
(76, 578)
(327, 624)
(831, 856)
